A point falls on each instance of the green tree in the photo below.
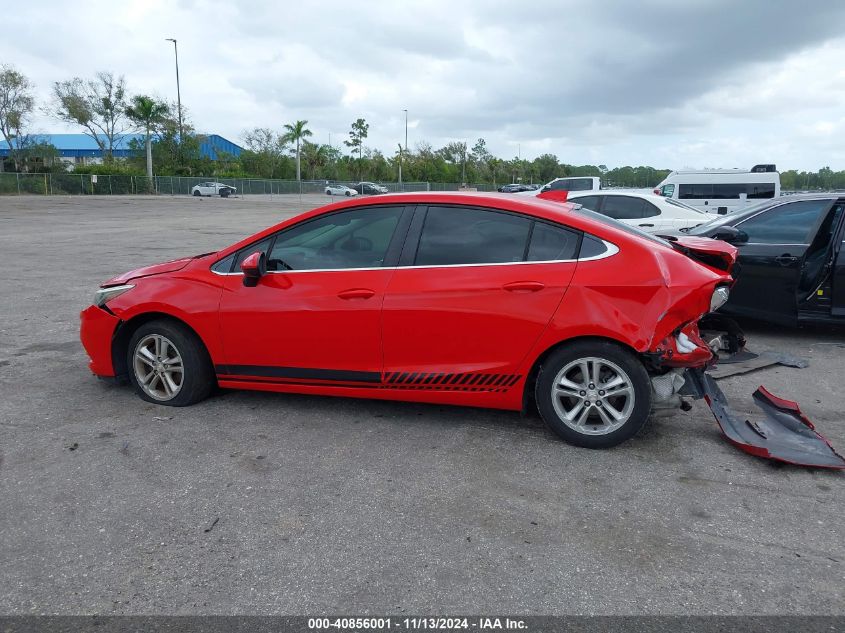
(296, 133)
(97, 105)
(265, 154)
(16, 105)
(315, 156)
(357, 134)
(148, 114)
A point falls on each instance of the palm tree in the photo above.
(148, 114)
(315, 156)
(296, 133)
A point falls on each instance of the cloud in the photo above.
(706, 83)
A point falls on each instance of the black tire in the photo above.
(196, 193)
(328, 193)
(224, 193)
(198, 378)
(595, 433)
(348, 193)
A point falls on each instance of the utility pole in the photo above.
(401, 155)
(178, 90)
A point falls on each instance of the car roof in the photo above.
(542, 209)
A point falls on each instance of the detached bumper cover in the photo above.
(96, 332)
(785, 434)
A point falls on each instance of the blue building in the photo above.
(82, 149)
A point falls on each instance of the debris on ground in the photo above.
(745, 361)
(784, 434)
(211, 527)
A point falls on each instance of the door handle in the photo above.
(785, 260)
(356, 293)
(524, 286)
(645, 225)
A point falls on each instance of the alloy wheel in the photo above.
(593, 396)
(158, 366)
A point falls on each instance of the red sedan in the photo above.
(466, 299)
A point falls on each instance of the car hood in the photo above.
(712, 253)
(147, 271)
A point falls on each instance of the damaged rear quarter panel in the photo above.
(638, 297)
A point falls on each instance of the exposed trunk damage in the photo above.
(785, 434)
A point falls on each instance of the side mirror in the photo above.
(730, 234)
(254, 267)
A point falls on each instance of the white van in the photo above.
(572, 183)
(721, 190)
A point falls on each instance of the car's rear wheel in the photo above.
(224, 193)
(328, 192)
(168, 364)
(196, 192)
(348, 193)
(593, 394)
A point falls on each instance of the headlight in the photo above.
(104, 295)
(719, 298)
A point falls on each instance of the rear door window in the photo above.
(552, 243)
(464, 235)
(624, 207)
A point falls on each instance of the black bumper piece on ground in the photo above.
(784, 434)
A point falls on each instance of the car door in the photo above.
(772, 259)
(474, 291)
(315, 315)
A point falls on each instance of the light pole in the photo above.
(178, 91)
(400, 149)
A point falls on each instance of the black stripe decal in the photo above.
(302, 373)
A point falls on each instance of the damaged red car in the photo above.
(464, 299)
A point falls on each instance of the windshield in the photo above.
(730, 218)
(632, 230)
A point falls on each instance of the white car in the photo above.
(336, 189)
(213, 189)
(648, 212)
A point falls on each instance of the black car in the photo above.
(516, 188)
(791, 258)
(369, 188)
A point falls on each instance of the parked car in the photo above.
(571, 183)
(432, 297)
(336, 189)
(213, 189)
(653, 214)
(791, 258)
(370, 188)
(516, 188)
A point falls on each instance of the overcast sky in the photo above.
(666, 83)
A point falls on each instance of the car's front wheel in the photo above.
(593, 394)
(168, 364)
(348, 193)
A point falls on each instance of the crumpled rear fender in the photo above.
(784, 434)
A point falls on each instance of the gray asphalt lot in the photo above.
(108, 504)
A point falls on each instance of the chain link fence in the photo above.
(88, 184)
